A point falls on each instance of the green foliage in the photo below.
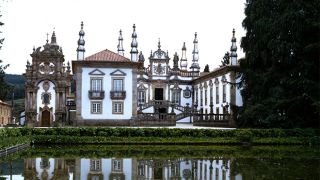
(281, 68)
(244, 135)
(3, 84)
(226, 59)
(103, 135)
(12, 141)
(206, 68)
(18, 82)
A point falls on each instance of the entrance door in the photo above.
(45, 121)
(158, 173)
(158, 93)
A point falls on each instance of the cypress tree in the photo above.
(280, 77)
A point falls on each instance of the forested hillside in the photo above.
(18, 82)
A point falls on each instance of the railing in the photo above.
(158, 103)
(211, 117)
(118, 95)
(156, 116)
(187, 74)
(182, 115)
(155, 119)
(96, 94)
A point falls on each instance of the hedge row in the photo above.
(163, 151)
(159, 132)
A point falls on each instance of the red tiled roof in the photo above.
(107, 55)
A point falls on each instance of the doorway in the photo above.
(45, 118)
(158, 94)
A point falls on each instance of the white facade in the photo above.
(104, 168)
(217, 89)
(156, 92)
(107, 82)
(52, 98)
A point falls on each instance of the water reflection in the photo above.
(127, 168)
(162, 162)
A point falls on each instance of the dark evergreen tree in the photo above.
(281, 69)
(3, 84)
(226, 59)
(206, 68)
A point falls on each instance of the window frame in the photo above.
(119, 162)
(95, 165)
(91, 84)
(113, 107)
(92, 104)
(113, 79)
(224, 93)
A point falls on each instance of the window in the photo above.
(141, 97)
(176, 94)
(224, 95)
(116, 165)
(96, 107)
(141, 170)
(117, 84)
(211, 96)
(95, 165)
(117, 108)
(196, 96)
(217, 110)
(175, 170)
(217, 94)
(96, 85)
(176, 97)
(201, 97)
(205, 97)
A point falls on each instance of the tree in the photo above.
(280, 77)
(3, 84)
(206, 68)
(226, 59)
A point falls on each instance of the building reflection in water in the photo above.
(127, 168)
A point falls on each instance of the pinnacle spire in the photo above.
(81, 43)
(233, 49)
(53, 38)
(120, 44)
(175, 61)
(134, 45)
(47, 38)
(183, 61)
(159, 44)
(195, 55)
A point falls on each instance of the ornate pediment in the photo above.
(118, 72)
(97, 72)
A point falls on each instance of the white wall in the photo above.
(220, 86)
(49, 170)
(52, 100)
(106, 167)
(107, 87)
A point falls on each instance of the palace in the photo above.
(128, 168)
(113, 90)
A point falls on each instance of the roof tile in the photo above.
(107, 55)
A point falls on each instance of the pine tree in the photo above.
(206, 68)
(226, 59)
(281, 69)
(3, 84)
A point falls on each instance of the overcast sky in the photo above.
(173, 21)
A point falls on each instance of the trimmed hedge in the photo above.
(107, 135)
(158, 132)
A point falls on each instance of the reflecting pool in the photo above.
(162, 162)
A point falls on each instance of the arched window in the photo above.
(176, 94)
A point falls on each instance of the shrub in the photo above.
(244, 135)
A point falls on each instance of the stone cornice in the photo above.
(217, 72)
